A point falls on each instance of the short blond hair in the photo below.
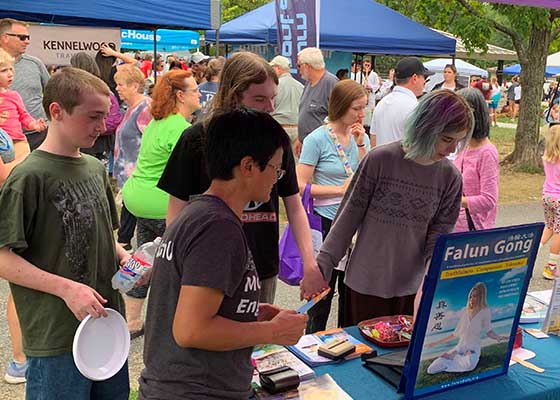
(5, 58)
(67, 87)
(130, 74)
(6, 24)
(313, 57)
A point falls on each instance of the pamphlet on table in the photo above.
(535, 307)
(551, 323)
(307, 347)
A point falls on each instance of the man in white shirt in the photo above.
(390, 115)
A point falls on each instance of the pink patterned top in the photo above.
(13, 114)
(480, 168)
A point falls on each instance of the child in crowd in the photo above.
(58, 252)
(551, 201)
(13, 114)
(7, 154)
(204, 315)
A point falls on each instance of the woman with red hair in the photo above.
(174, 98)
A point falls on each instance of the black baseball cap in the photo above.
(409, 66)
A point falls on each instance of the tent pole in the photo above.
(218, 42)
(154, 63)
(500, 72)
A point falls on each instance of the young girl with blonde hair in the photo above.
(13, 114)
(551, 201)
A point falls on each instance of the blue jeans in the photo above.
(57, 378)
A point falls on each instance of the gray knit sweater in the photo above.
(399, 208)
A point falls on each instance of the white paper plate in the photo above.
(521, 353)
(101, 346)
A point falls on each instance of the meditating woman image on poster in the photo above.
(475, 319)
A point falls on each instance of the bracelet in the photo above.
(361, 145)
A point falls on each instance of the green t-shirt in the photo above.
(140, 193)
(61, 215)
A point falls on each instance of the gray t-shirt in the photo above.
(314, 105)
(399, 208)
(206, 247)
(30, 80)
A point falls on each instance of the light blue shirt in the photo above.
(320, 152)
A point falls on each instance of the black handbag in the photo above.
(280, 379)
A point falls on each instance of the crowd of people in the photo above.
(201, 156)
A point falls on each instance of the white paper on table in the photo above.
(543, 296)
(522, 354)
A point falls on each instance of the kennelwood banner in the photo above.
(297, 22)
(57, 44)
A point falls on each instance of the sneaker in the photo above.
(551, 272)
(15, 373)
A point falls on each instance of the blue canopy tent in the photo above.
(359, 26)
(167, 39)
(146, 14)
(516, 70)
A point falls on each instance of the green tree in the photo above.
(531, 32)
(234, 8)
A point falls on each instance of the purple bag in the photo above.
(291, 263)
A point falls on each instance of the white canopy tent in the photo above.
(553, 60)
(464, 71)
(463, 67)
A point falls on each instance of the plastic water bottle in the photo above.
(140, 262)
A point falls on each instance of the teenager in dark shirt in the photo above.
(247, 80)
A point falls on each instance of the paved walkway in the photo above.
(286, 297)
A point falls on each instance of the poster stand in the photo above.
(472, 299)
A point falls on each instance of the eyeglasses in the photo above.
(279, 171)
(20, 36)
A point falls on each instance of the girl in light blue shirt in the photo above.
(328, 158)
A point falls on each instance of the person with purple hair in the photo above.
(401, 198)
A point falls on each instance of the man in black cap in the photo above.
(389, 116)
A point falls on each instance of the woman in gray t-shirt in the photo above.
(402, 197)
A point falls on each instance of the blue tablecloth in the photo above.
(518, 383)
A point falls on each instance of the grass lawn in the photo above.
(491, 357)
(515, 186)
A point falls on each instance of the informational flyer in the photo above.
(472, 299)
(551, 323)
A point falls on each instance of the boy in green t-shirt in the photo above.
(58, 250)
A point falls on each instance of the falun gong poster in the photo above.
(472, 300)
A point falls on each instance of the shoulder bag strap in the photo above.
(470, 221)
(340, 151)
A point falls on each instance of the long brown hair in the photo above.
(164, 99)
(240, 71)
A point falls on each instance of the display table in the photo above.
(518, 383)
